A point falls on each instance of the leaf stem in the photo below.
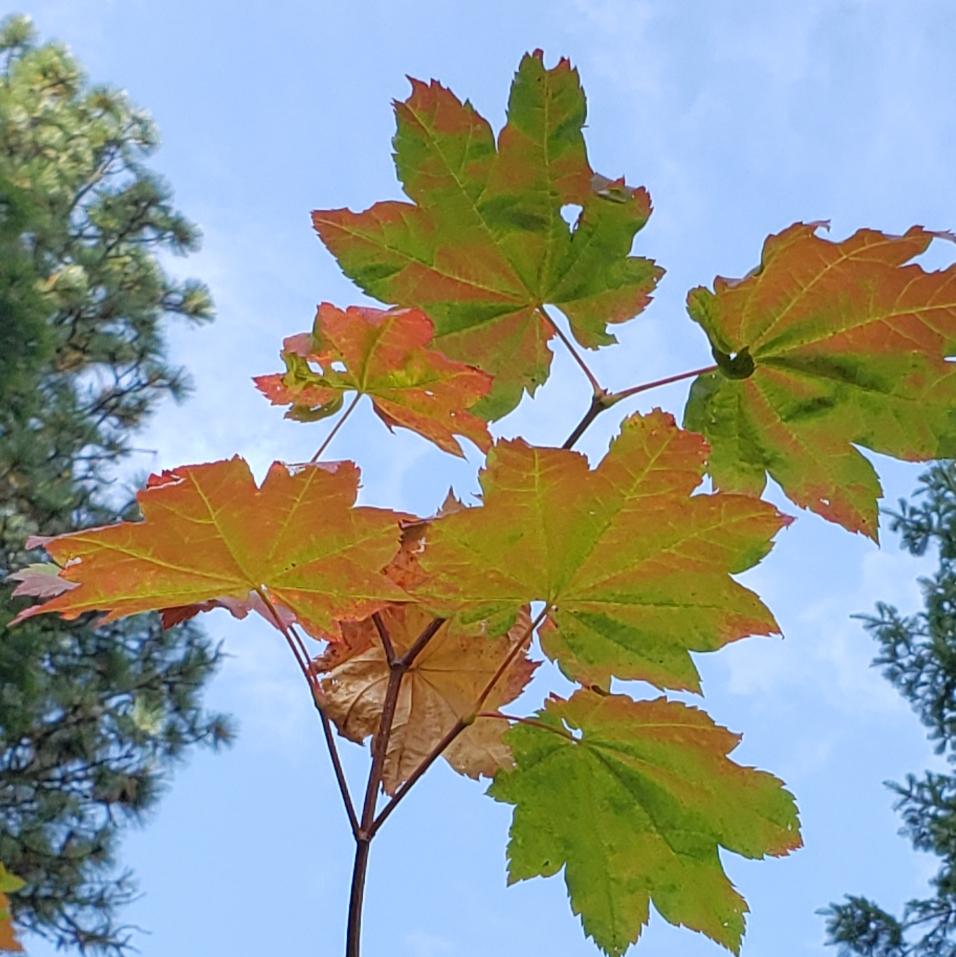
(387, 645)
(297, 646)
(521, 720)
(605, 400)
(335, 428)
(569, 345)
(616, 397)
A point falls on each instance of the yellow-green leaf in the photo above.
(636, 569)
(634, 799)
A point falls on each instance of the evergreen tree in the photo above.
(91, 717)
(918, 655)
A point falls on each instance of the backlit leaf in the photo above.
(8, 884)
(635, 568)
(633, 799)
(826, 345)
(441, 687)
(482, 246)
(386, 356)
(210, 535)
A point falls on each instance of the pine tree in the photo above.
(91, 718)
(918, 655)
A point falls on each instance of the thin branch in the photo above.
(335, 428)
(598, 404)
(605, 400)
(337, 765)
(569, 345)
(387, 645)
(615, 397)
(297, 646)
(364, 833)
(363, 836)
(418, 645)
(457, 728)
(516, 650)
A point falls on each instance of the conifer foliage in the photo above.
(91, 716)
(918, 655)
(619, 569)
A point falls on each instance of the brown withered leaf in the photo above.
(441, 686)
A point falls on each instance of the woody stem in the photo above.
(398, 667)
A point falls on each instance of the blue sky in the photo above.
(740, 118)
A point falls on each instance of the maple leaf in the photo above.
(385, 356)
(826, 345)
(633, 799)
(635, 569)
(483, 247)
(8, 884)
(209, 535)
(440, 687)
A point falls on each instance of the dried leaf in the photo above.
(441, 687)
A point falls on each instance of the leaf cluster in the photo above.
(619, 570)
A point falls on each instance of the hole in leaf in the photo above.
(575, 733)
(337, 366)
(570, 213)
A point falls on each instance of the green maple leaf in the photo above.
(483, 247)
(824, 346)
(633, 799)
(636, 569)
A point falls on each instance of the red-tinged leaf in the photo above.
(482, 246)
(827, 345)
(635, 569)
(633, 799)
(441, 687)
(40, 580)
(385, 355)
(8, 939)
(210, 537)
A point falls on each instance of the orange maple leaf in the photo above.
(211, 537)
(384, 354)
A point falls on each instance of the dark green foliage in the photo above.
(918, 655)
(91, 719)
